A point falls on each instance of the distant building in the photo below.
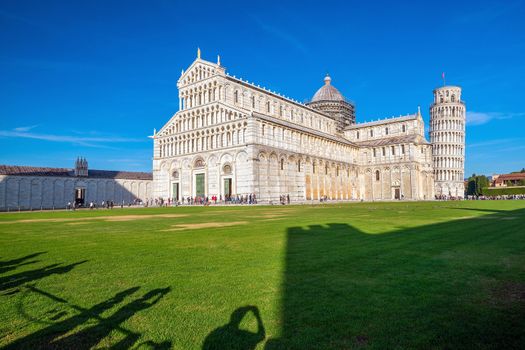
(506, 180)
(25, 187)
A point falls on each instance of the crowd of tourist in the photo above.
(482, 198)
(443, 197)
(107, 204)
(207, 200)
(284, 199)
(242, 199)
(495, 198)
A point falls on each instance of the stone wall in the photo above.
(50, 192)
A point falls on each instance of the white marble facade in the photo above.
(447, 135)
(231, 137)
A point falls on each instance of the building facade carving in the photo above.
(231, 137)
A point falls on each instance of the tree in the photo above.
(471, 186)
(481, 182)
(476, 183)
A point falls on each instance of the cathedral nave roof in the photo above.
(414, 138)
(382, 121)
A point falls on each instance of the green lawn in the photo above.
(337, 276)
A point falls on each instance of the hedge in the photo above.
(501, 191)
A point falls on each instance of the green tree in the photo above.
(471, 186)
(481, 182)
(476, 183)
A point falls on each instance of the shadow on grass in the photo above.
(9, 265)
(230, 336)
(444, 285)
(58, 334)
(423, 287)
(12, 282)
(494, 211)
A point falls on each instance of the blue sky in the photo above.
(94, 78)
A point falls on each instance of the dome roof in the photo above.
(327, 92)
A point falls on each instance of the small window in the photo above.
(386, 131)
(384, 151)
(404, 128)
(393, 151)
(268, 106)
(453, 98)
(326, 170)
(253, 101)
(280, 111)
(371, 133)
(282, 164)
(313, 168)
(403, 149)
(235, 97)
(263, 129)
(375, 152)
(299, 166)
(377, 175)
(357, 135)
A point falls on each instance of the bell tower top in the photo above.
(447, 94)
(81, 167)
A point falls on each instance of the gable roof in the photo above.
(382, 121)
(413, 138)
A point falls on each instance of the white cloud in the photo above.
(281, 34)
(480, 118)
(90, 141)
(25, 128)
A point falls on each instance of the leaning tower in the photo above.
(447, 135)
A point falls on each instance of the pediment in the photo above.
(199, 70)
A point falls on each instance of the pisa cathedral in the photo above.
(231, 137)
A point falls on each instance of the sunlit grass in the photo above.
(383, 275)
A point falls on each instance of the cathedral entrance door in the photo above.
(397, 194)
(80, 196)
(175, 191)
(199, 185)
(227, 188)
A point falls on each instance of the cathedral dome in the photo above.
(327, 92)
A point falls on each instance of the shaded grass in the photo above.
(378, 275)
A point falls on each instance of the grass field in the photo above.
(338, 276)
